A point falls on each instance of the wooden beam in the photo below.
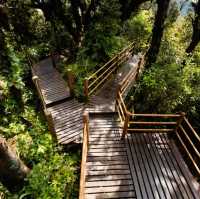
(84, 155)
(86, 91)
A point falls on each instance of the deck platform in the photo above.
(158, 169)
(143, 166)
(108, 173)
(52, 86)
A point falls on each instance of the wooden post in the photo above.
(71, 81)
(35, 80)
(86, 122)
(84, 155)
(126, 123)
(179, 121)
(52, 59)
(117, 95)
(86, 91)
(50, 124)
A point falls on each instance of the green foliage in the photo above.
(172, 83)
(54, 173)
(138, 29)
(160, 90)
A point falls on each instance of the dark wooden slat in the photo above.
(108, 183)
(171, 163)
(145, 161)
(109, 189)
(107, 167)
(164, 174)
(187, 178)
(107, 163)
(137, 170)
(100, 150)
(111, 195)
(143, 169)
(108, 177)
(107, 154)
(157, 189)
(108, 172)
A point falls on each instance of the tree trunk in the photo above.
(158, 30)
(196, 29)
(12, 169)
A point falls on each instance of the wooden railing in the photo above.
(148, 123)
(162, 123)
(190, 141)
(37, 85)
(159, 123)
(84, 155)
(97, 79)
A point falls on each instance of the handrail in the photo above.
(176, 123)
(131, 77)
(84, 155)
(97, 79)
(36, 82)
(157, 115)
(93, 75)
(183, 133)
(162, 122)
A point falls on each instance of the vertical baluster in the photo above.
(86, 91)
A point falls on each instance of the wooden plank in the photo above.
(105, 146)
(137, 169)
(69, 134)
(192, 184)
(107, 158)
(106, 150)
(93, 139)
(101, 189)
(153, 173)
(107, 167)
(108, 172)
(165, 184)
(107, 154)
(150, 183)
(130, 194)
(171, 187)
(152, 123)
(144, 170)
(132, 169)
(73, 139)
(107, 163)
(171, 162)
(108, 177)
(157, 115)
(109, 183)
(149, 130)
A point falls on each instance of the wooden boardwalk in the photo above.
(143, 166)
(67, 113)
(108, 173)
(50, 85)
(158, 169)
(67, 118)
